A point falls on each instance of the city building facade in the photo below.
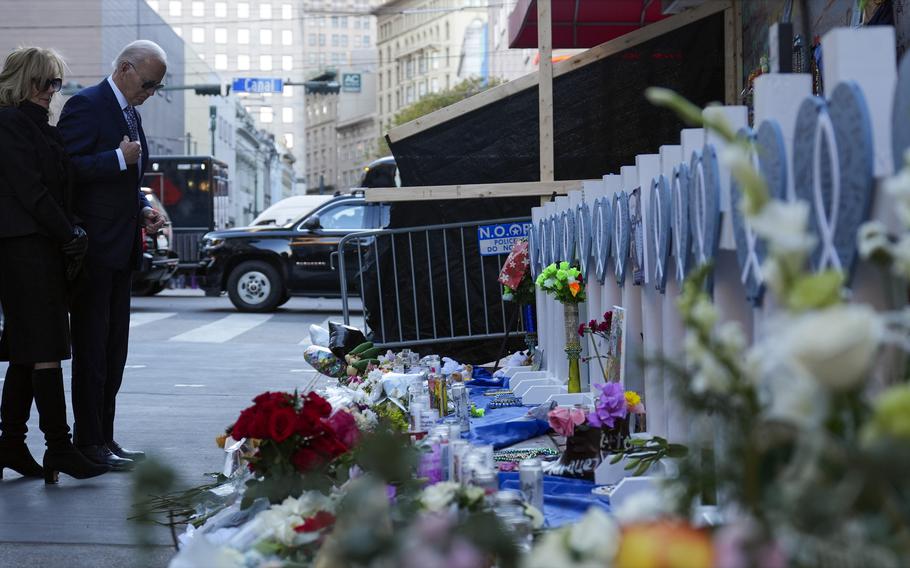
(426, 46)
(342, 126)
(285, 39)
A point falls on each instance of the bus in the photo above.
(195, 191)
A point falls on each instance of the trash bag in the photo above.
(319, 335)
(324, 361)
(344, 338)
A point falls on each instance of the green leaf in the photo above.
(633, 463)
(815, 291)
(642, 468)
(616, 458)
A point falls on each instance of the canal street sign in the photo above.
(499, 239)
(257, 85)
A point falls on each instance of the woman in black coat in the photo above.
(40, 249)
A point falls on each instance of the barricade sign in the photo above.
(499, 239)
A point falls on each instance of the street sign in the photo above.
(350, 82)
(499, 239)
(257, 85)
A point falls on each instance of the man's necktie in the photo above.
(132, 122)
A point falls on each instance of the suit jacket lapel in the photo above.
(119, 119)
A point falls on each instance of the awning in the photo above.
(582, 23)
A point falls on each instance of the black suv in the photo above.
(262, 267)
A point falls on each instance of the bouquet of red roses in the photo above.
(300, 443)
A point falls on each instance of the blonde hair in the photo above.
(27, 68)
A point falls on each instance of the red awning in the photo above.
(582, 23)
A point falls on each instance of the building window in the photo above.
(288, 91)
(265, 62)
(366, 41)
(243, 36)
(221, 9)
(153, 4)
(220, 61)
(265, 11)
(265, 37)
(357, 44)
(220, 35)
(287, 37)
(322, 40)
(178, 30)
(421, 89)
(243, 9)
(337, 58)
(287, 115)
(198, 35)
(265, 114)
(334, 39)
(434, 84)
(243, 62)
(175, 8)
(311, 58)
(287, 62)
(343, 40)
(312, 41)
(198, 9)
(287, 11)
(288, 139)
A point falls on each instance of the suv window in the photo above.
(344, 217)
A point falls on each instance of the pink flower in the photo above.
(564, 420)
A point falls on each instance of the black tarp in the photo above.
(601, 119)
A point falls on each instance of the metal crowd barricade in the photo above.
(395, 271)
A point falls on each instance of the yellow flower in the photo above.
(664, 545)
(220, 440)
(632, 399)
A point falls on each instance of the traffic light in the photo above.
(206, 90)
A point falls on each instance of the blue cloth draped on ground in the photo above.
(502, 426)
(565, 500)
(481, 377)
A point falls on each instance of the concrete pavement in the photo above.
(177, 396)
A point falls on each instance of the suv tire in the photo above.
(255, 286)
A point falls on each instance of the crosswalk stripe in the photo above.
(142, 318)
(224, 329)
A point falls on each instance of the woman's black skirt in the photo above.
(33, 295)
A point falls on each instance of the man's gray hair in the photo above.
(140, 50)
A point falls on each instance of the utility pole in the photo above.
(213, 121)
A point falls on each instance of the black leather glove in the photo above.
(78, 245)
(74, 252)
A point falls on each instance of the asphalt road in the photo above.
(194, 363)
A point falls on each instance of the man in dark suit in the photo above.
(104, 137)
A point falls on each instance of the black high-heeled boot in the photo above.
(61, 454)
(14, 412)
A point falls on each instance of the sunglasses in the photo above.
(56, 84)
(147, 85)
